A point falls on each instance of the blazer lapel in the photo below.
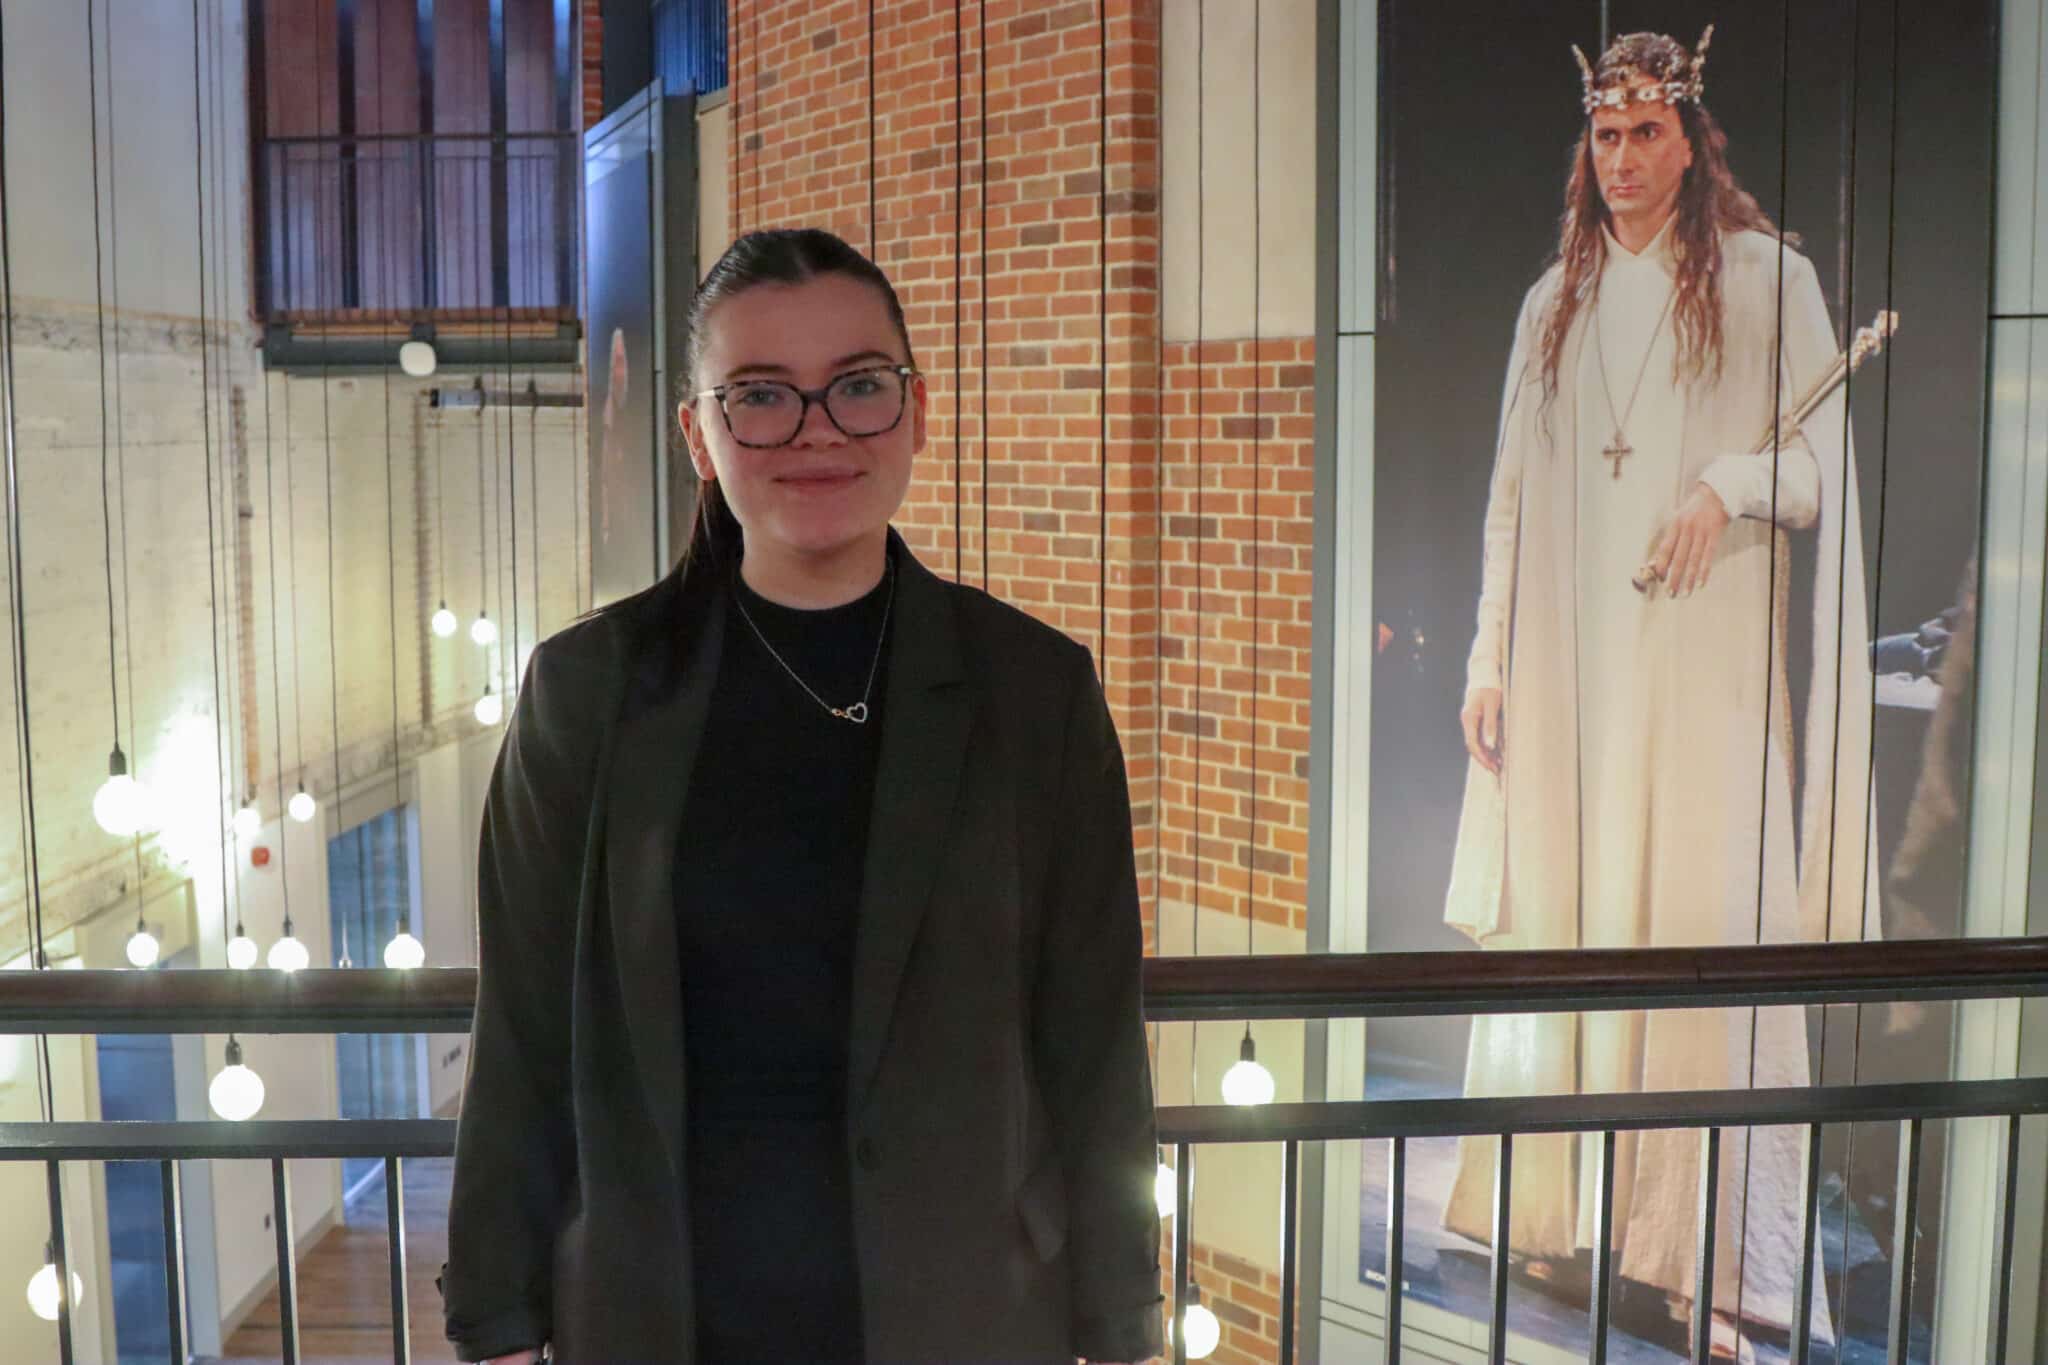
(648, 781)
(925, 724)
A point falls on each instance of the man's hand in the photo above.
(1483, 737)
(1685, 555)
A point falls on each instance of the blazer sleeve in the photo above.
(514, 1153)
(1089, 1043)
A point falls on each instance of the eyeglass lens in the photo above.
(769, 413)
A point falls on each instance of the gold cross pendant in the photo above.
(1616, 450)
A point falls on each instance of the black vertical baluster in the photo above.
(61, 1258)
(1503, 1200)
(287, 1260)
(1183, 1205)
(1906, 1215)
(2002, 1286)
(1703, 1260)
(394, 1217)
(1809, 1222)
(1603, 1249)
(1290, 1187)
(1397, 1236)
(174, 1258)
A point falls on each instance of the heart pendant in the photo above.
(857, 713)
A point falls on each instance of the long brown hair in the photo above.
(1710, 203)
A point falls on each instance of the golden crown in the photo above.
(1686, 79)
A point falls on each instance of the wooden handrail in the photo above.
(1312, 986)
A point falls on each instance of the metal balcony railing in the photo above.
(406, 227)
(1215, 988)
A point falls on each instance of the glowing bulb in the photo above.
(483, 630)
(404, 952)
(1203, 1331)
(288, 955)
(1247, 1083)
(43, 1295)
(490, 709)
(237, 1092)
(302, 805)
(121, 805)
(142, 948)
(241, 952)
(1164, 1188)
(249, 821)
(417, 358)
(445, 622)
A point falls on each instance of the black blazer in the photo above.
(999, 1129)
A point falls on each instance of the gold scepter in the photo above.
(1867, 342)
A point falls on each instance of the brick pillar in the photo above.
(904, 128)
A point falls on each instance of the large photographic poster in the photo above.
(1718, 684)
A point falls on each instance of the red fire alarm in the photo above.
(259, 856)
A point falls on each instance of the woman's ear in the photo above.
(920, 400)
(693, 437)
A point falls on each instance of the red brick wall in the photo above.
(593, 61)
(1057, 503)
(1155, 507)
(1234, 643)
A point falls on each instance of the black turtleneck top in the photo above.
(767, 885)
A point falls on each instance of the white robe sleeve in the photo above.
(1745, 487)
(1786, 488)
(1486, 665)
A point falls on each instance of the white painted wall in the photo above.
(1206, 155)
(305, 691)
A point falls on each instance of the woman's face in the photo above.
(821, 490)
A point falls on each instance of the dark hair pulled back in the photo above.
(783, 256)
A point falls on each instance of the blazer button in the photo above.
(864, 1152)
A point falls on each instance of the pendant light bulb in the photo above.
(490, 709)
(1204, 1332)
(236, 1092)
(288, 954)
(1247, 1083)
(404, 952)
(241, 951)
(42, 1288)
(121, 805)
(302, 805)
(1164, 1189)
(483, 630)
(248, 820)
(417, 358)
(445, 622)
(143, 947)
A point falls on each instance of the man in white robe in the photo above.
(1633, 764)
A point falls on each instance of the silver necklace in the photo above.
(1618, 449)
(856, 714)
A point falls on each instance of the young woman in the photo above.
(807, 1024)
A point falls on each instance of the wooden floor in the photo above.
(345, 1282)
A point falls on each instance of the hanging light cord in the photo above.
(92, 96)
(1251, 902)
(39, 957)
(120, 421)
(276, 687)
(291, 553)
(327, 444)
(206, 380)
(228, 681)
(1195, 736)
(385, 237)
